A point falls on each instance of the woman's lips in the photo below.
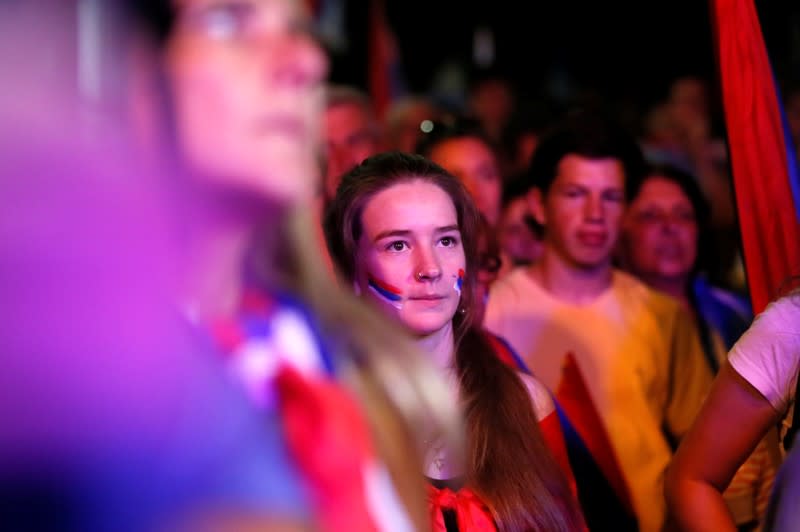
(427, 297)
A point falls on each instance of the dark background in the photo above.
(616, 50)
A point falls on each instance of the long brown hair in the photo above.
(373, 357)
(508, 463)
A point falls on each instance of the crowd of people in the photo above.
(234, 297)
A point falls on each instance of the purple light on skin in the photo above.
(87, 281)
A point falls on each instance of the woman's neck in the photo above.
(219, 234)
(440, 347)
(439, 460)
(677, 287)
(213, 272)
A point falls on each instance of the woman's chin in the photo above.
(426, 327)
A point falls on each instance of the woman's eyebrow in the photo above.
(392, 233)
(447, 228)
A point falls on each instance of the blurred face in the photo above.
(690, 92)
(660, 231)
(350, 137)
(474, 163)
(488, 268)
(517, 239)
(583, 210)
(245, 77)
(688, 106)
(493, 102)
(407, 132)
(410, 255)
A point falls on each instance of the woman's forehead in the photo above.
(411, 204)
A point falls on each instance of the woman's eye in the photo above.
(397, 246)
(222, 21)
(448, 241)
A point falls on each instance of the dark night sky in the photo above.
(619, 49)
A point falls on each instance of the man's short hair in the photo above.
(589, 134)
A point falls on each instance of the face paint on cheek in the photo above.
(386, 292)
(459, 282)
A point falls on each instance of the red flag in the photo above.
(764, 170)
(471, 513)
(384, 60)
(580, 444)
(330, 443)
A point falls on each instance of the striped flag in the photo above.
(592, 455)
(762, 158)
(602, 491)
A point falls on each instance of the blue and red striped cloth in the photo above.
(762, 155)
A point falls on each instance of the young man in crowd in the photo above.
(577, 320)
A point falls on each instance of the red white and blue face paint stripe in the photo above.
(386, 292)
(459, 283)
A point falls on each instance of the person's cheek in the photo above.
(385, 291)
(382, 284)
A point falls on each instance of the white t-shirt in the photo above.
(768, 354)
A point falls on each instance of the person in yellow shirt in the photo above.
(636, 351)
